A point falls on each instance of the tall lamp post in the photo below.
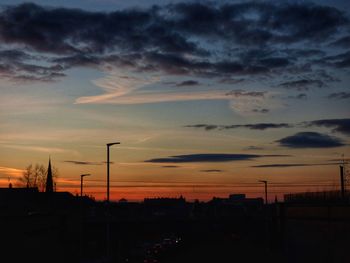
(109, 145)
(265, 182)
(81, 183)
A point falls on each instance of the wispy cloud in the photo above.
(38, 148)
(10, 172)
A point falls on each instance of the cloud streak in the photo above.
(287, 165)
(257, 126)
(209, 157)
(337, 125)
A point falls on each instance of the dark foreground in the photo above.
(169, 231)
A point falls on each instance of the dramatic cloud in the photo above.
(338, 125)
(172, 39)
(310, 140)
(208, 157)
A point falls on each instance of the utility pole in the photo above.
(342, 184)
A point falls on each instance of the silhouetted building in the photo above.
(49, 180)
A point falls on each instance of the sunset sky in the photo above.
(206, 97)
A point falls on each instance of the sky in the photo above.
(205, 97)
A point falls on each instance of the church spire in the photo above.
(49, 181)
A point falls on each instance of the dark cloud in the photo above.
(170, 166)
(338, 125)
(261, 110)
(256, 126)
(207, 127)
(208, 157)
(303, 84)
(339, 95)
(188, 83)
(175, 39)
(85, 162)
(212, 171)
(310, 140)
(284, 23)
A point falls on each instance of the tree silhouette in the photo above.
(35, 176)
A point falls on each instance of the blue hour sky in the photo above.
(215, 94)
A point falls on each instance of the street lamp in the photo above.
(265, 182)
(109, 145)
(81, 183)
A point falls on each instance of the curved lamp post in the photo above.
(109, 145)
(81, 183)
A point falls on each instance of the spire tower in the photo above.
(49, 180)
